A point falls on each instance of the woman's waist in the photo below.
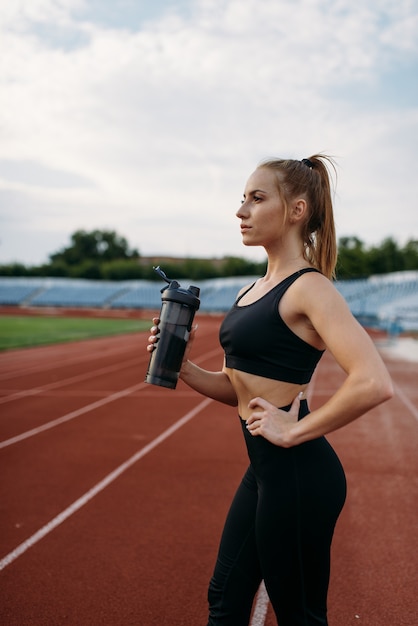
(303, 411)
(250, 386)
(263, 454)
(270, 461)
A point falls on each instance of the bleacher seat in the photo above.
(378, 300)
(77, 296)
(146, 296)
(16, 294)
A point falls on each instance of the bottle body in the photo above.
(177, 312)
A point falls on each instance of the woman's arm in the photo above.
(215, 385)
(367, 383)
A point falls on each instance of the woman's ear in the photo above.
(298, 210)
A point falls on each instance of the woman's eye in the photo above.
(257, 198)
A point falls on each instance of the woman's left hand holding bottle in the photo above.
(153, 338)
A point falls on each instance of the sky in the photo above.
(147, 118)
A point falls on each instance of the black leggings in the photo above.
(279, 528)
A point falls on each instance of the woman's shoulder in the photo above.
(315, 290)
(313, 286)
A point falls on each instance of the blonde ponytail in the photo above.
(311, 178)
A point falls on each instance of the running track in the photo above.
(114, 492)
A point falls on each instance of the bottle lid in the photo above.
(174, 293)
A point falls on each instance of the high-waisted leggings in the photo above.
(279, 529)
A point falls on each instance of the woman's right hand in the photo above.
(153, 338)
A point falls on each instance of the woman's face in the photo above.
(262, 211)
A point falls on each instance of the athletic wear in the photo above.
(281, 521)
(279, 528)
(256, 339)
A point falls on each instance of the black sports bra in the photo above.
(256, 339)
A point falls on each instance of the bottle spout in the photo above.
(161, 274)
(172, 284)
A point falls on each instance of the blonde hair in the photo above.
(310, 178)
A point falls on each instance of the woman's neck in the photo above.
(281, 265)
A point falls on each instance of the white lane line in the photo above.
(89, 407)
(69, 416)
(72, 379)
(59, 361)
(261, 605)
(81, 357)
(406, 401)
(89, 495)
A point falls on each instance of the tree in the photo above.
(87, 269)
(236, 266)
(96, 245)
(386, 258)
(102, 254)
(410, 254)
(121, 269)
(352, 258)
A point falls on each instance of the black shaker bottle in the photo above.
(177, 312)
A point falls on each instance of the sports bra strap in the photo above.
(286, 282)
(245, 292)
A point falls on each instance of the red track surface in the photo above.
(83, 545)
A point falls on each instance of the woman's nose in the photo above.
(242, 211)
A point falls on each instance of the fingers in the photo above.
(255, 420)
(272, 423)
(252, 420)
(263, 409)
(265, 405)
(259, 402)
(153, 338)
(294, 409)
(155, 329)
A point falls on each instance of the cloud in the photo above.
(36, 175)
(167, 119)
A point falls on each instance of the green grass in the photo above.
(26, 331)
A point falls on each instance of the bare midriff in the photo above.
(249, 386)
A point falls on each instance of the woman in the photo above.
(282, 519)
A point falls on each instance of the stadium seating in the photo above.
(77, 296)
(146, 295)
(12, 294)
(388, 301)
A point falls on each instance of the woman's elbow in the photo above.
(382, 389)
(389, 391)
